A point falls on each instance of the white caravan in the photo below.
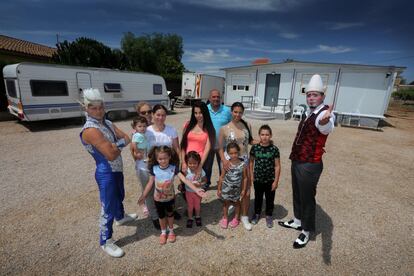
(49, 91)
(198, 86)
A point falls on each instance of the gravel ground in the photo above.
(49, 205)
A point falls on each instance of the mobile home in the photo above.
(360, 93)
(47, 91)
(198, 86)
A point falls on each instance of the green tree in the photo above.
(89, 52)
(154, 53)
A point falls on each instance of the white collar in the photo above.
(317, 109)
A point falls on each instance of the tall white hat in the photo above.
(315, 84)
(92, 96)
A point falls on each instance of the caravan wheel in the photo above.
(111, 115)
(124, 114)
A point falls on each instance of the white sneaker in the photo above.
(112, 249)
(127, 218)
(247, 225)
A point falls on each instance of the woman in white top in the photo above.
(160, 134)
(144, 109)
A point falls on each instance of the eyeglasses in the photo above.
(145, 112)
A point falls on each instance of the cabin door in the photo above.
(272, 89)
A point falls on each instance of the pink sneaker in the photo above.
(234, 223)
(223, 223)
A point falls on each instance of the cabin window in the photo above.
(157, 89)
(112, 87)
(11, 88)
(45, 88)
(240, 87)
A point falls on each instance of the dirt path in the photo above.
(365, 223)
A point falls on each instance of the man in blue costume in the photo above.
(104, 141)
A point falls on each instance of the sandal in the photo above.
(223, 223)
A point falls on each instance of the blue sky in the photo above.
(230, 33)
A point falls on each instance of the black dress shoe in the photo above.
(289, 224)
(156, 223)
(301, 241)
(177, 216)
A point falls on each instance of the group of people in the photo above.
(214, 131)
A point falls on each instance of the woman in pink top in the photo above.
(198, 135)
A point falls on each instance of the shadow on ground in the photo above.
(324, 227)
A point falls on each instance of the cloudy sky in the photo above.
(229, 33)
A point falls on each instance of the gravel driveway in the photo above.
(365, 213)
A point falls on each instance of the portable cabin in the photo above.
(360, 93)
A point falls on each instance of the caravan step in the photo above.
(179, 102)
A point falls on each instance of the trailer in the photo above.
(49, 91)
(198, 86)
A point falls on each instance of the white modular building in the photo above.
(360, 93)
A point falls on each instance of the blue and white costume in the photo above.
(109, 177)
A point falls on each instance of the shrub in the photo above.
(405, 95)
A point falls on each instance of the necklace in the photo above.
(159, 129)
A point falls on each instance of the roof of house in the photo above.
(22, 46)
(298, 62)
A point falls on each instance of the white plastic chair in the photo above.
(298, 112)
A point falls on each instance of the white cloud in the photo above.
(343, 25)
(334, 49)
(211, 56)
(257, 5)
(289, 35)
(318, 49)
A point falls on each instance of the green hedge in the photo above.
(405, 95)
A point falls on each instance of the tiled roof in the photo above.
(22, 46)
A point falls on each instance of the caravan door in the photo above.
(83, 81)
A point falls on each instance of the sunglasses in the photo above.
(146, 112)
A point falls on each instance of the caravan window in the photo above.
(157, 89)
(11, 88)
(45, 88)
(112, 87)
